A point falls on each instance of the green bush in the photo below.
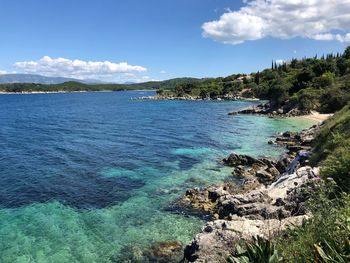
(309, 99)
(259, 250)
(335, 98)
(334, 133)
(337, 166)
(329, 227)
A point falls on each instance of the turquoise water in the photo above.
(87, 177)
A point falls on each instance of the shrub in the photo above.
(337, 166)
(309, 99)
(334, 133)
(333, 99)
(327, 228)
(260, 250)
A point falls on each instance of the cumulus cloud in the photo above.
(3, 72)
(314, 19)
(77, 68)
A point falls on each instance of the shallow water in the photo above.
(86, 177)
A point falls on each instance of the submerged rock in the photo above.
(161, 252)
(165, 252)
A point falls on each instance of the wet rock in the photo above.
(264, 176)
(283, 163)
(215, 193)
(164, 252)
(299, 139)
(130, 254)
(241, 159)
(273, 171)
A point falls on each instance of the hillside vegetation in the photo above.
(321, 84)
(77, 86)
(325, 236)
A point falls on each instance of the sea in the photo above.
(89, 177)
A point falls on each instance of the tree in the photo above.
(257, 78)
(346, 53)
(302, 80)
(327, 79)
(278, 92)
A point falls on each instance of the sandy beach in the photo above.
(316, 116)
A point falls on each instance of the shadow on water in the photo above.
(89, 192)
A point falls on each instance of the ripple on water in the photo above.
(89, 192)
(85, 177)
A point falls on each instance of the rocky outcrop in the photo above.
(264, 211)
(160, 252)
(246, 167)
(287, 110)
(217, 239)
(189, 97)
(271, 197)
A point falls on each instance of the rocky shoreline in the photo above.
(266, 109)
(194, 98)
(269, 199)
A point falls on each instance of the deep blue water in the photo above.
(85, 175)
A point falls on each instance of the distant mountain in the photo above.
(31, 78)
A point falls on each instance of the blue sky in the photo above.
(162, 39)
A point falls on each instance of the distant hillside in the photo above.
(56, 84)
(32, 78)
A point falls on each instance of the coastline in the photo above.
(269, 200)
(194, 98)
(47, 92)
(316, 116)
(59, 92)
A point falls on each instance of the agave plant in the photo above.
(332, 253)
(259, 251)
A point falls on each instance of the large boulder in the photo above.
(242, 159)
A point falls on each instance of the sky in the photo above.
(137, 40)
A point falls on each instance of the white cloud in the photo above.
(162, 72)
(315, 19)
(279, 61)
(3, 72)
(77, 68)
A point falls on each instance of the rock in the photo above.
(215, 193)
(217, 244)
(283, 163)
(239, 171)
(297, 148)
(130, 253)
(239, 159)
(167, 251)
(264, 176)
(289, 134)
(303, 138)
(273, 171)
(272, 196)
